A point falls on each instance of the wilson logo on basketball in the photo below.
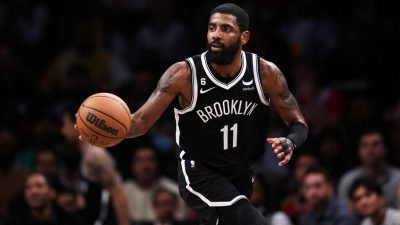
(100, 123)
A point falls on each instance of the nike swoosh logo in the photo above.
(206, 90)
(248, 83)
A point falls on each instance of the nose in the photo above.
(216, 34)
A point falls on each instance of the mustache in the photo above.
(217, 44)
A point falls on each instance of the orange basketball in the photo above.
(103, 119)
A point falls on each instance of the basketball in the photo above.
(103, 119)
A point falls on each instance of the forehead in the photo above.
(371, 137)
(314, 177)
(223, 18)
(36, 179)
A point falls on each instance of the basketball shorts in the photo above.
(203, 189)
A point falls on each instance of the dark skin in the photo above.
(176, 82)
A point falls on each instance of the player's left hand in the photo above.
(282, 149)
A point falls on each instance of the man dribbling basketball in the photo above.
(224, 95)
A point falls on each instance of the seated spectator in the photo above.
(293, 204)
(12, 176)
(69, 200)
(260, 199)
(324, 208)
(374, 164)
(147, 179)
(165, 205)
(39, 196)
(367, 200)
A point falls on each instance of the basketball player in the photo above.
(223, 99)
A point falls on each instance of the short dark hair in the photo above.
(161, 190)
(366, 182)
(320, 170)
(242, 18)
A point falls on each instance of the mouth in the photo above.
(216, 46)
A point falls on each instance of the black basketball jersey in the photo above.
(225, 126)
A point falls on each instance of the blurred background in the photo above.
(341, 60)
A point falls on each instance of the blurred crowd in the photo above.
(340, 60)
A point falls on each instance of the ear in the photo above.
(244, 37)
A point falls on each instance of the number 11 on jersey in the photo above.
(225, 135)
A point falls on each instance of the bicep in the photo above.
(275, 84)
(168, 88)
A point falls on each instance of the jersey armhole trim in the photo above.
(194, 89)
(256, 72)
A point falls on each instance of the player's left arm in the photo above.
(98, 165)
(275, 86)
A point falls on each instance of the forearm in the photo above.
(138, 126)
(119, 204)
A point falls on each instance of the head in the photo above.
(227, 32)
(317, 187)
(71, 135)
(165, 204)
(366, 197)
(302, 163)
(372, 149)
(144, 165)
(46, 162)
(67, 199)
(38, 192)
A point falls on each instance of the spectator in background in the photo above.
(293, 202)
(367, 200)
(12, 176)
(163, 34)
(324, 208)
(48, 163)
(372, 154)
(260, 198)
(165, 205)
(69, 200)
(100, 184)
(85, 57)
(146, 179)
(332, 151)
(39, 196)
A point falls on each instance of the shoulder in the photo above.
(393, 170)
(180, 70)
(393, 213)
(165, 182)
(350, 175)
(280, 217)
(268, 69)
(176, 77)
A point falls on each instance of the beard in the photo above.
(225, 56)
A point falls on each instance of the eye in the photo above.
(211, 27)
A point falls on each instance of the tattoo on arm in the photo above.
(164, 84)
(284, 93)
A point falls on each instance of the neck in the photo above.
(379, 216)
(44, 213)
(145, 184)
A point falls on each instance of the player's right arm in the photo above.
(176, 81)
